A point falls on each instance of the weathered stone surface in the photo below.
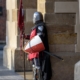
(62, 38)
(13, 4)
(49, 7)
(53, 28)
(14, 14)
(28, 4)
(28, 75)
(28, 26)
(66, 7)
(66, 0)
(64, 70)
(29, 15)
(38, 1)
(55, 0)
(19, 61)
(41, 7)
(62, 48)
(60, 19)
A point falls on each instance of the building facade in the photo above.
(62, 20)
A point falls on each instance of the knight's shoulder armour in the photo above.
(40, 28)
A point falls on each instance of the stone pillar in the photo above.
(77, 27)
(11, 52)
(11, 34)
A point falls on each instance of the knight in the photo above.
(40, 60)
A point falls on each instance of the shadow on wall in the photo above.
(2, 20)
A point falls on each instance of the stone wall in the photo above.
(60, 25)
(64, 70)
(60, 18)
(29, 8)
(11, 54)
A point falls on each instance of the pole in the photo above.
(21, 27)
(24, 62)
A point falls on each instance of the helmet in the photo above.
(37, 16)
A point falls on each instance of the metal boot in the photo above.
(39, 74)
(34, 74)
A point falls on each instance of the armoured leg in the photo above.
(34, 73)
(39, 74)
(36, 70)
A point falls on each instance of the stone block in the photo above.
(28, 26)
(28, 4)
(29, 14)
(45, 6)
(8, 57)
(64, 70)
(19, 41)
(62, 48)
(14, 14)
(59, 0)
(11, 33)
(8, 4)
(54, 28)
(49, 7)
(14, 4)
(66, 0)
(60, 19)
(18, 4)
(39, 1)
(62, 38)
(41, 7)
(66, 7)
(19, 61)
(53, 0)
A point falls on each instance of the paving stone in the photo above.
(5, 73)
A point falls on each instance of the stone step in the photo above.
(6, 74)
(28, 75)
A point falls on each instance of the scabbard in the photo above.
(53, 55)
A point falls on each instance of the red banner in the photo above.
(21, 17)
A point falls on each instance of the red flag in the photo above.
(21, 23)
(21, 17)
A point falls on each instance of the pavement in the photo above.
(5, 73)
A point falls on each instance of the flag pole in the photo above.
(24, 62)
(21, 27)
